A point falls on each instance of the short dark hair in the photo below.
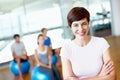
(43, 29)
(16, 35)
(76, 14)
(40, 35)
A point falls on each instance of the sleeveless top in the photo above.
(43, 56)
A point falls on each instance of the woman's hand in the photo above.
(49, 66)
(107, 68)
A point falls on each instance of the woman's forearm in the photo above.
(107, 77)
(96, 78)
(50, 60)
(91, 78)
(110, 76)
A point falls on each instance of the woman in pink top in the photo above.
(86, 57)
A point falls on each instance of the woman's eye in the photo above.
(83, 24)
(76, 25)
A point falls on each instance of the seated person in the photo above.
(47, 41)
(19, 53)
(43, 58)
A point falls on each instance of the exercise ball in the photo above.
(54, 59)
(25, 66)
(37, 74)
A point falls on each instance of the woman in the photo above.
(86, 57)
(43, 58)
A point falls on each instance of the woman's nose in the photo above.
(80, 27)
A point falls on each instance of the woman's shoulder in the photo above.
(66, 49)
(100, 40)
(67, 42)
(36, 49)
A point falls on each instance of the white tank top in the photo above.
(43, 56)
(86, 61)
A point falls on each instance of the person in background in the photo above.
(19, 54)
(47, 41)
(57, 51)
(85, 57)
(43, 58)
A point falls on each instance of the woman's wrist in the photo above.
(72, 78)
(102, 77)
(50, 63)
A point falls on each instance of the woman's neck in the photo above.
(82, 41)
(41, 45)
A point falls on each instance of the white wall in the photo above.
(115, 9)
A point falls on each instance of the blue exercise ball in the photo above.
(37, 74)
(54, 59)
(25, 67)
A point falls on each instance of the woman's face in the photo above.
(41, 40)
(80, 28)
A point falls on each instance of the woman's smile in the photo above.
(81, 33)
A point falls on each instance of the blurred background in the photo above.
(28, 17)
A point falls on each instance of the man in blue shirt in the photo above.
(47, 39)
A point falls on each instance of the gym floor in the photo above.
(5, 73)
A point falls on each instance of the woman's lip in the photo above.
(81, 33)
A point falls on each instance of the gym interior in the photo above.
(28, 17)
